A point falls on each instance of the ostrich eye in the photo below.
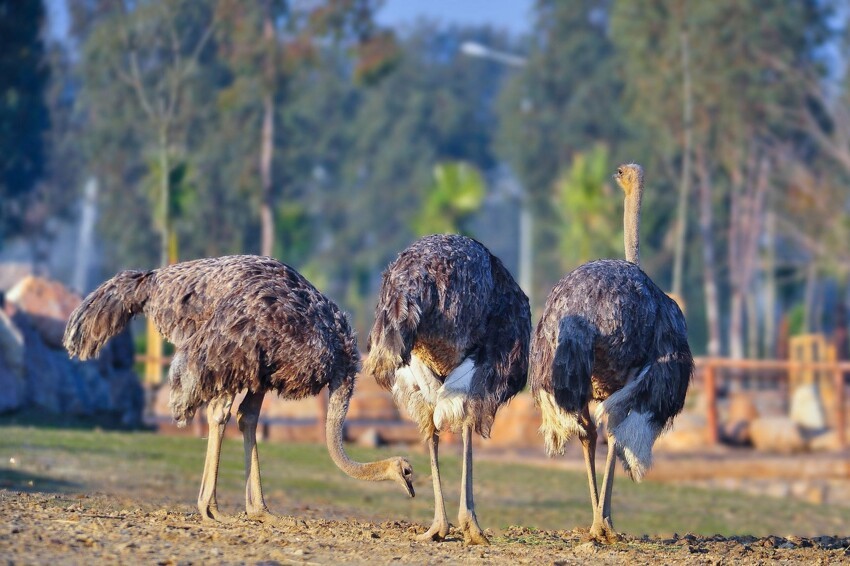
(620, 171)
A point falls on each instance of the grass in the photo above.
(165, 471)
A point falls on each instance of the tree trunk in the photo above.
(165, 197)
(685, 186)
(267, 141)
(752, 324)
(769, 336)
(810, 298)
(266, 203)
(709, 268)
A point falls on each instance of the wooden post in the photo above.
(840, 409)
(711, 403)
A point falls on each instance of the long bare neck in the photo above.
(631, 223)
(337, 409)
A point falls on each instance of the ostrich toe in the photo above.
(438, 531)
(269, 518)
(603, 532)
(472, 533)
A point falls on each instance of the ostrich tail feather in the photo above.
(105, 313)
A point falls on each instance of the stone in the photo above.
(48, 303)
(516, 424)
(742, 411)
(777, 434)
(807, 408)
(689, 433)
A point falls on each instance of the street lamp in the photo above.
(526, 220)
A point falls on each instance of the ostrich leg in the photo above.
(247, 418)
(218, 413)
(603, 527)
(472, 533)
(588, 446)
(440, 528)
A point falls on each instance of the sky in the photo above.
(511, 15)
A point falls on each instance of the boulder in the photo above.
(517, 424)
(807, 408)
(742, 412)
(48, 303)
(689, 433)
(777, 434)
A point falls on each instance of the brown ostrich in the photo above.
(609, 334)
(450, 341)
(238, 323)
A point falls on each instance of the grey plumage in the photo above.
(450, 340)
(238, 323)
(448, 298)
(609, 334)
(602, 325)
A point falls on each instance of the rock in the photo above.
(742, 411)
(48, 379)
(807, 409)
(516, 424)
(689, 433)
(777, 434)
(370, 438)
(48, 303)
(12, 382)
(827, 441)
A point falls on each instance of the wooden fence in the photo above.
(779, 369)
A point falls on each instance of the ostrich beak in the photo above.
(405, 479)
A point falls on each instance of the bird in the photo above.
(450, 340)
(239, 322)
(608, 333)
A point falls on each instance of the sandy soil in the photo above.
(41, 528)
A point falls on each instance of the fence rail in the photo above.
(709, 366)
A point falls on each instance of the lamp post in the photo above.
(526, 220)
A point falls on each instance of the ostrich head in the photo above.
(400, 471)
(630, 178)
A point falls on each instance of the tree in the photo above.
(565, 101)
(457, 192)
(24, 117)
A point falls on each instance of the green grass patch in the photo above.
(166, 470)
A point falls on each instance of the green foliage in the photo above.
(456, 193)
(23, 112)
(589, 206)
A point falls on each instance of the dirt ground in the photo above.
(42, 528)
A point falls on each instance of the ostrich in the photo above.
(450, 340)
(238, 323)
(609, 334)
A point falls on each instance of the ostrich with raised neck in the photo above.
(609, 334)
(238, 323)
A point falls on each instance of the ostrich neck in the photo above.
(337, 409)
(631, 224)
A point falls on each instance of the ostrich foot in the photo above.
(264, 516)
(472, 533)
(438, 531)
(603, 531)
(211, 514)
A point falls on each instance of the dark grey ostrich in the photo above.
(609, 334)
(237, 323)
(450, 341)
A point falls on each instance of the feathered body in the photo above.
(450, 340)
(238, 323)
(608, 333)
(450, 309)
